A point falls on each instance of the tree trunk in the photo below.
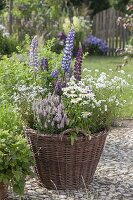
(10, 16)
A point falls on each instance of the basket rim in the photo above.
(30, 131)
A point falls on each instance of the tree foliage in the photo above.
(2, 4)
(119, 4)
(35, 17)
(98, 6)
(95, 5)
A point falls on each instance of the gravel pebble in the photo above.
(113, 179)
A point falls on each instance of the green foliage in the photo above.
(15, 156)
(92, 4)
(12, 74)
(97, 6)
(15, 160)
(55, 7)
(7, 45)
(9, 118)
(54, 59)
(73, 137)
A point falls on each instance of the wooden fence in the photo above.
(106, 28)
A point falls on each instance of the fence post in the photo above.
(106, 28)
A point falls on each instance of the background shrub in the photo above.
(7, 45)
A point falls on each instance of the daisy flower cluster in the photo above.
(96, 100)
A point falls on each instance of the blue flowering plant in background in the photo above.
(95, 46)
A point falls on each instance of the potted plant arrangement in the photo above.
(69, 118)
(15, 155)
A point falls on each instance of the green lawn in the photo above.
(103, 64)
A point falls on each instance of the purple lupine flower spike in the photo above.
(44, 64)
(58, 87)
(66, 61)
(78, 64)
(55, 73)
(62, 36)
(34, 54)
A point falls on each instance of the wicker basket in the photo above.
(61, 165)
(3, 191)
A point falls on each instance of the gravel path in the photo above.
(113, 179)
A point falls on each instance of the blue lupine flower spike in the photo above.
(66, 61)
(78, 65)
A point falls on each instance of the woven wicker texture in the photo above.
(3, 191)
(66, 166)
